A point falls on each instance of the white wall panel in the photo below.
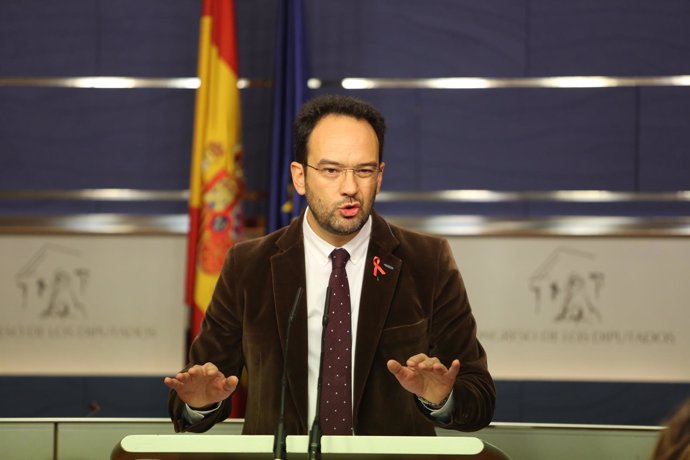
(581, 308)
(92, 305)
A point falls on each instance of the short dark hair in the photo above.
(317, 108)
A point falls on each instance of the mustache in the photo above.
(349, 201)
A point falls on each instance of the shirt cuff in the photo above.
(192, 416)
(443, 414)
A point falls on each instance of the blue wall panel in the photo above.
(256, 39)
(537, 139)
(89, 37)
(85, 396)
(257, 104)
(612, 403)
(408, 38)
(148, 38)
(76, 138)
(44, 38)
(609, 37)
(664, 139)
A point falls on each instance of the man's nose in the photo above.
(348, 182)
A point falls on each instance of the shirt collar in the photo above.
(357, 246)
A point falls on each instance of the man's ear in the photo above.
(297, 172)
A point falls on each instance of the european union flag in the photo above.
(290, 92)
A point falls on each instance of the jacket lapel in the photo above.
(377, 295)
(287, 269)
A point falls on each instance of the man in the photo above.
(411, 337)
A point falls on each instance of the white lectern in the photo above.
(240, 447)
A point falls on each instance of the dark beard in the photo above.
(328, 219)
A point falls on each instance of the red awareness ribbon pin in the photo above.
(377, 266)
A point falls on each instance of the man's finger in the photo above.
(230, 384)
(210, 369)
(183, 377)
(195, 370)
(454, 369)
(431, 364)
(413, 361)
(172, 383)
(394, 367)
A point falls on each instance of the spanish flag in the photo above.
(216, 184)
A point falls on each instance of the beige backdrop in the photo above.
(581, 308)
(92, 305)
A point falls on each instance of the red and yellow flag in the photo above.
(216, 184)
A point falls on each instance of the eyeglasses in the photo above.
(332, 172)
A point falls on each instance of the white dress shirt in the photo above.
(318, 266)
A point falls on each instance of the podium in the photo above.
(241, 447)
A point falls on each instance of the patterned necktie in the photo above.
(336, 393)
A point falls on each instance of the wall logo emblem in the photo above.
(53, 283)
(567, 286)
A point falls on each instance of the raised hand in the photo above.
(202, 386)
(425, 376)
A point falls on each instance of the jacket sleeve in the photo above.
(453, 335)
(219, 342)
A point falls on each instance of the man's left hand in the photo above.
(425, 376)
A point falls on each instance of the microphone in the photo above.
(315, 433)
(279, 446)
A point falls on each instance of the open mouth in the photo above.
(349, 210)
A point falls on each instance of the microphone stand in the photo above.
(279, 445)
(315, 432)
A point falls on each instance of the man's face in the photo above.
(339, 206)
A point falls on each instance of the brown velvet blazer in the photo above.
(419, 305)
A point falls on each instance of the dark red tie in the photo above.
(336, 393)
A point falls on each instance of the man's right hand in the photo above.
(202, 386)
